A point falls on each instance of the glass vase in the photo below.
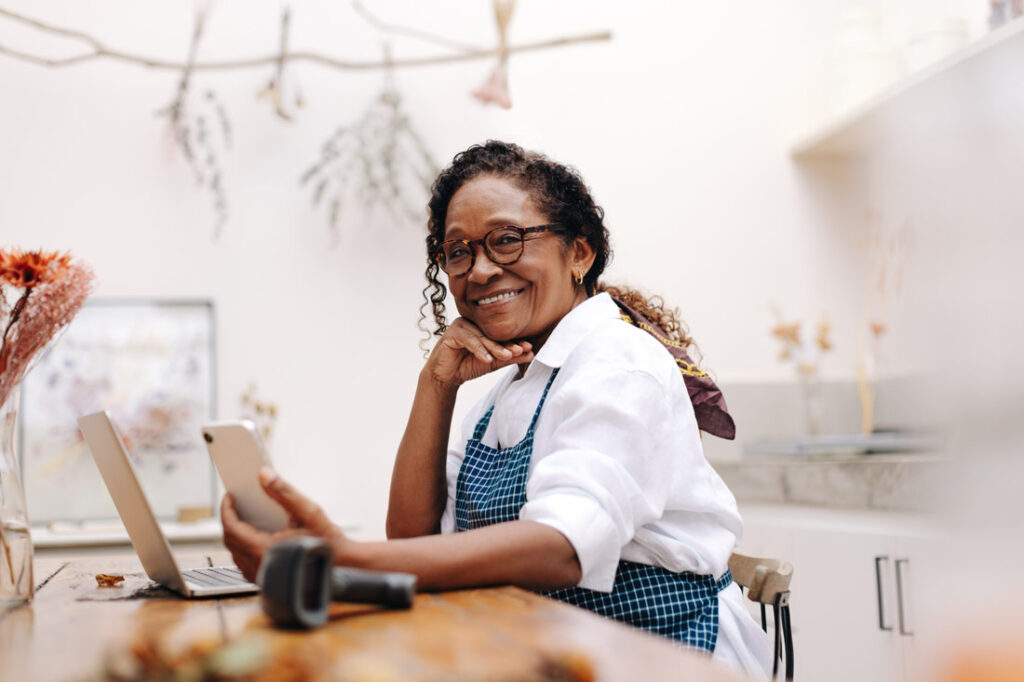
(16, 581)
(810, 393)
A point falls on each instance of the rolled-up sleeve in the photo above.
(599, 469)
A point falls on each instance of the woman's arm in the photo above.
(419, 481)
(523, 553)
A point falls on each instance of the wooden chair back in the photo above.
(766, 582)
(763, 579)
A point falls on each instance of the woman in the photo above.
(582, 473)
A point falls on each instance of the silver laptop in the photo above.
(149, 541)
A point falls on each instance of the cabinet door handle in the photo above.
(899, 596)
(881, 596)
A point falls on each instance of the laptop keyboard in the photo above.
(218, 576)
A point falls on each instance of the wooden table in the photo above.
(75, 630)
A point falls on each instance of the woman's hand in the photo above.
(464, 353)
(248, 544)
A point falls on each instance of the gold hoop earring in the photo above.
(578, 278)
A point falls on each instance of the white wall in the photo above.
(681, 125)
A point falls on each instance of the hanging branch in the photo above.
(101, 51)
(412, 32)
(377, 158)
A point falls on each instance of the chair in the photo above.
(767, 583)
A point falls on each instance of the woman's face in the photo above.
(523, 300)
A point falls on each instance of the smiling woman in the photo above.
(581, 473)
(520, 295)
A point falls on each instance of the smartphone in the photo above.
(237, 451)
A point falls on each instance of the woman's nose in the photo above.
(483, 268)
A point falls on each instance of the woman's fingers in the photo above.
(477, 346)
(485, 349)
(237, 533)
(496, 349)
(465, 353)
(302, 509)
(246, 543)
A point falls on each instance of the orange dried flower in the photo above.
(823, 341)
(53, 289)
(28, 269)
(788, 333)
(878, 328)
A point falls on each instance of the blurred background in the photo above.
(831, 193)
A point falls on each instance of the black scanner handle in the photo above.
(392, 590)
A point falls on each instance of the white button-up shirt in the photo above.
(617, 463)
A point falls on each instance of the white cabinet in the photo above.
(855, 588)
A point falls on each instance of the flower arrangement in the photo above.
(48, 289)
(806, 358)
(40, 292)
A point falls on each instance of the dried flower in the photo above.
(262, 413)
(495, 89)
(789, 334)
(824, 343)
(29, 268)
(57, 288)
(805, 357)
(52, 291)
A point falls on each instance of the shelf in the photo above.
(934, 97)
(843, 445)
(101, 533)
(98, 533)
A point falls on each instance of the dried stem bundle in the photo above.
(48, 289)
(380, 159)
(193, 134)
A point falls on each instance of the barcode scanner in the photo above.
(298, 580)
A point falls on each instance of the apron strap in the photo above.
(543, 397)
(481, 426)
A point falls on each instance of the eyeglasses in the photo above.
(503, 245)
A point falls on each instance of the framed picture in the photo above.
(151, 364)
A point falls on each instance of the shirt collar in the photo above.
(574, 327)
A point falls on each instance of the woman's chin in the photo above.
(502, 333)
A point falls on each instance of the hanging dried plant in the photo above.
(495, 89)
(380, 160)
(275, 90)
(201, 131)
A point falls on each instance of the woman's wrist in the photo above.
(352, 553)
(443, 389)
(344, 549)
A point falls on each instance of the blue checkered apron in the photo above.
(491, 488)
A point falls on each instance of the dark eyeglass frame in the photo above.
(482, 241)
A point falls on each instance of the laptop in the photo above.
(149, 540)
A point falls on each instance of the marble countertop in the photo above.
(898, 482)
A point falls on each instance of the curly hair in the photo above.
(560, 193)
(656, 310)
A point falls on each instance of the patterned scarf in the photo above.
(708, 402)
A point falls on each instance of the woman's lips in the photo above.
(497, 299)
